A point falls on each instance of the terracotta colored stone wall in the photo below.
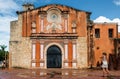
(79, 17)
(118, 35)
(104, 43)
(73, 30)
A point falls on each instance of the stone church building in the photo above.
(58, 36)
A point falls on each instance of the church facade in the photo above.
(58, 36)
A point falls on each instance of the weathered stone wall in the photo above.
(20, 43)
(82, 52)
(20, 47)
(21, 53)
(104, 43)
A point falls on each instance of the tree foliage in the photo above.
(3, 53)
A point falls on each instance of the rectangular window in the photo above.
(97, 33)
(110, 32)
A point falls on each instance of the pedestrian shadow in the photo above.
(112, 77)
(106, 77)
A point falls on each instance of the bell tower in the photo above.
(28, 6)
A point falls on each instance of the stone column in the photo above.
(65, 16)
(41, 54)
(74, 61)
(66, 53)
(42, 15)
(33, 55)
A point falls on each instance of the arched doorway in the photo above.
(54, 57)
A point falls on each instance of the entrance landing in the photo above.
(55, 74)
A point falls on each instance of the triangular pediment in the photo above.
(55, 6)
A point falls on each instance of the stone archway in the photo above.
(54, 57)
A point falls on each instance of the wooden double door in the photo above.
(54, 57)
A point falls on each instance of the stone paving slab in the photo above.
(55, 74)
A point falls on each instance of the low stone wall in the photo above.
(21, 53)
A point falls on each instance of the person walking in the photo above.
(105, 64)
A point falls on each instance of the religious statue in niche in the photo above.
(74, 24)
(33, 27)
(33, 24)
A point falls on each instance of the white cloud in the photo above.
(116, 2)
(7, 14)
(5, 29)
(8, 6)
(7, 11)
(4, 40)
(5, 23)
(102, 19)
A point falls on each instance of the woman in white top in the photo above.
(105, 64)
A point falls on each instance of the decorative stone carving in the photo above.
(65, 14)
(54, 15)
(42, 14)
(54, 26)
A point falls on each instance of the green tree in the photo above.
(3, 47)
(3, 53)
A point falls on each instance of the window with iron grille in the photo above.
(97, 33)
(110, 33)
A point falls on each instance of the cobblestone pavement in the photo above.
(55, 74)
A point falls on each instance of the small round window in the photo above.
(54, 17)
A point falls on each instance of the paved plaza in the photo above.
(56, 74)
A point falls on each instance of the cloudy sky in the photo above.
(102, 11)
